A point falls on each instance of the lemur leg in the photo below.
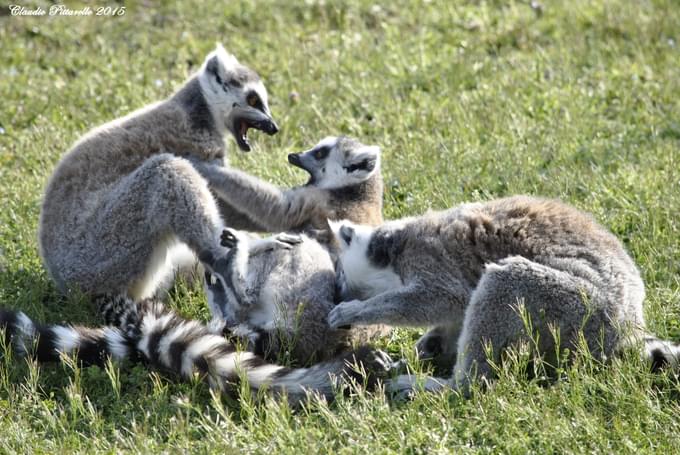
(493, 316)
(548, 297)
(163, 200)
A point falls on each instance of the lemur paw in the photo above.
(287, 240)
(383, 359)
(229, 238)
(345, 314)
(399, 366)
(368, 366)
(216, 326)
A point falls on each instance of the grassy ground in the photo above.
(469, 100)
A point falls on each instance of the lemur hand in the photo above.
(282, 241)
(245, 334)
(287, 239)
(345, 314)
(229, 238)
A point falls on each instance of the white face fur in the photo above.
(362, 278)
(237, 97)
(336, 162)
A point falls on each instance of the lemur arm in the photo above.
(273, 208)
(237, 219)
(410, 305)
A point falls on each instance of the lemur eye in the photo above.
(253, 100)
(321, 153)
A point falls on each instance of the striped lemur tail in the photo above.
(46, 343)
(150, 332)
(661, 353)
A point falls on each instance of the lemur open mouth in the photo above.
(294, 159)
(245, 119)
(241, 135)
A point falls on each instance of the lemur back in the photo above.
(279, 298)
(470, 272)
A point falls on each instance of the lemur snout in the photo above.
(294, 159)
(270, 127)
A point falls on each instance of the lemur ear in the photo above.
(219, 62)
(342, 231)
(365, 159)
(212, 67)
(347, 234)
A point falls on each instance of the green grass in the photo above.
(469, 100)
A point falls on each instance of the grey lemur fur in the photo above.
(148, 331)
(470, 270)
(126, 193)
(279, 299)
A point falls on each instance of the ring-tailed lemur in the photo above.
(127, 192)
(279, 298)
(470, 270)
(151, 332)
(323, 197)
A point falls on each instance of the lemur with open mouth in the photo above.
(127, 193)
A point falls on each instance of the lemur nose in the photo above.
(273, 128)
(294, 158)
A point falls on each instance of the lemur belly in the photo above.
(268, 311)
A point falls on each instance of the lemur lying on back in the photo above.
(467, 271)
(279, 298)
(283, 286)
